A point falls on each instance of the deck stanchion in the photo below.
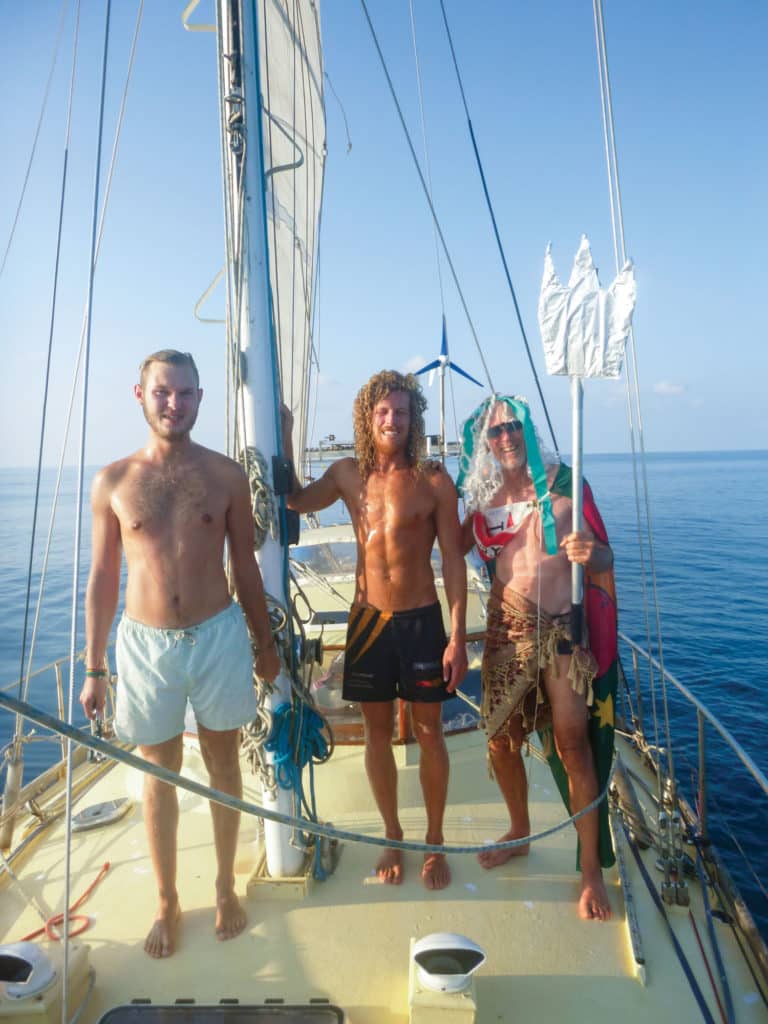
(702, 809)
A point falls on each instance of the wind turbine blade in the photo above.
(430, 366)
(464, 373)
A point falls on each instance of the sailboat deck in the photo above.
(347, 939)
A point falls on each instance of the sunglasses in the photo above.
(510, 427)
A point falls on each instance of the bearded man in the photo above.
(396, 643)
(534, 676)
(170, 506)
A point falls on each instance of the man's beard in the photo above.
(169, 431)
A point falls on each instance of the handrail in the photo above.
(732, 742)
(64, 660)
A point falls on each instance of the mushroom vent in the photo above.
(25, 970)
(445, 961)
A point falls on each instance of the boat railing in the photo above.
(59, 669)
(703, 715)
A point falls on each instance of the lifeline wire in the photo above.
(42, 718)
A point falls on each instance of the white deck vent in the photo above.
(445, 962)
(25, 970)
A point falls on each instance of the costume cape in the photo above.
(602, 632)
(602, 626)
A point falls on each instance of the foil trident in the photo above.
(584, 329)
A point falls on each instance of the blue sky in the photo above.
(689, 88)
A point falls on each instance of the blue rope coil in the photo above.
(295, 740)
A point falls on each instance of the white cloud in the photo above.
(668, 387)
(415, 363)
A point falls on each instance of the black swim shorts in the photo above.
(395, 654)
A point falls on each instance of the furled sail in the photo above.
(294, 157)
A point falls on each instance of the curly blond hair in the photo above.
(378, 387)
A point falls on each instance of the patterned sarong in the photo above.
(521, 642)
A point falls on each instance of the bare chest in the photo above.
(525, 552)
(394, 505)
(169, 502)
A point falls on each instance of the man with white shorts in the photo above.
(170, 507)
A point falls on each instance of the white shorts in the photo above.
(158, 670)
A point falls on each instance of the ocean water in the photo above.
(710, 542)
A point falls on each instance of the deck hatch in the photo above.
(224, 1013)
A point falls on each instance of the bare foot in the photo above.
(436, 873)
(161, 940)
(594, 904)
(230, 917)
(493, 858)
(389, 868)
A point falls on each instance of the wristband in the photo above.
(96, 673)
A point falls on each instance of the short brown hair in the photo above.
(171, 356)
(378, 387)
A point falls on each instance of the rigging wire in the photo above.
(47, 377)
(432, 210)
(76, 374)
(496, 230)
(46, 94)
(80, 487)
(617, 226)
(428, 168)
(427, 164)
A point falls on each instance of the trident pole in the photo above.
(577, 571)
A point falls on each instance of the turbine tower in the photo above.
(440, 364)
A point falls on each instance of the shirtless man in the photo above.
(396, 643)
(170, 506)
(529, 620)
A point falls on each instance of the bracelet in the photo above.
(96, 673)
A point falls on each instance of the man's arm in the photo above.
(320, 493)
(248, 582)
(102, 593)
(467, 534)
(449, 537)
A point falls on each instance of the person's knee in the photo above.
(574, 751)
(427, 720)
(220, 757)
(378, 733)
(502, 747)
(168, 755)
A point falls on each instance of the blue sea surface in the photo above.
(710, 554)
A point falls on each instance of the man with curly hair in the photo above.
(396, 643)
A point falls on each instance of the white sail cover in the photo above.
(583, 326)
(293, 125)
